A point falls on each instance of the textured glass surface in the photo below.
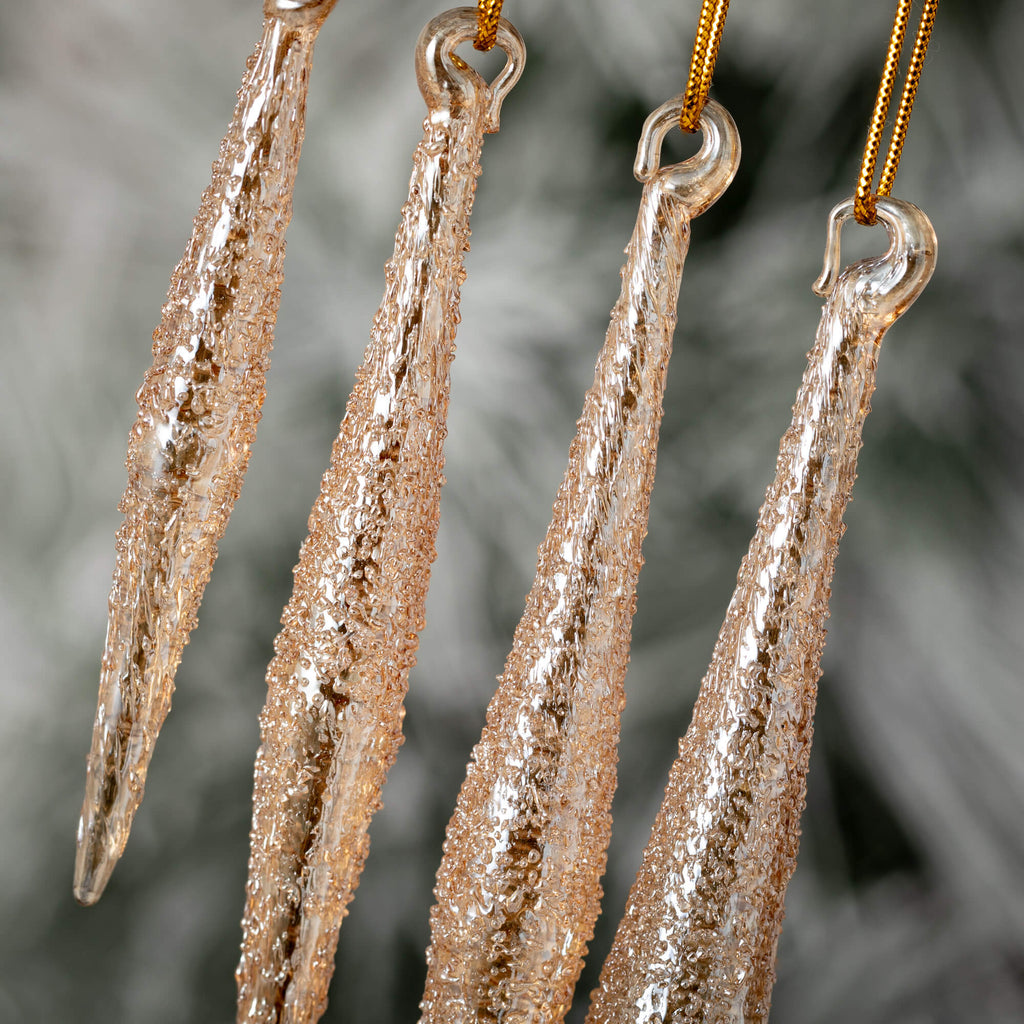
(697, 941)
(908, 902)
(198, 409)
(518, 890)
(332, 722)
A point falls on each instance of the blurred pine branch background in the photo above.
(908, 905)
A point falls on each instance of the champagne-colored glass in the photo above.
(697, 941)
(332, 722)
(198, 409)
(518, 890)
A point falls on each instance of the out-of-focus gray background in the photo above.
(908, 904)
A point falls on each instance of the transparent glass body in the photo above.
(198, 409)
(332, 722)
(697, 941)
(518, 890)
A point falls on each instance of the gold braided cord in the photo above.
(864, 198)
(487, 17)
(702, 63)
(899, 131)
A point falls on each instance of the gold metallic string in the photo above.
(864, 198)
(702, 63)
(487, 17)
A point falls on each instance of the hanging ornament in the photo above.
(333, 718)
(518, 889)
(698, 938)
(198, 409)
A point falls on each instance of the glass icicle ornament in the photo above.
(198, 409)
(332, 722)
(518, 890)
(697, 941)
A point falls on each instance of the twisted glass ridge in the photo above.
(332, 722)
(198, 408)
(518, 889)
(697, 941)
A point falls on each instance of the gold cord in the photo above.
(864, 198)
(487, 18)
(702, 63)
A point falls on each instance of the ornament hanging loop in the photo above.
(899, 274)
(447, 82)
(701, 179)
